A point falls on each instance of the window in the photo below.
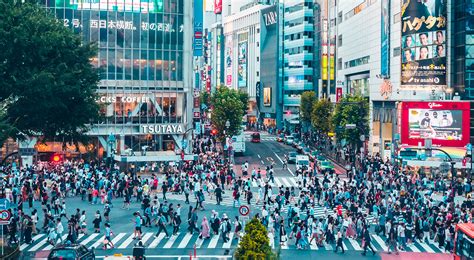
(258, 30)
(258, 44)
(258, 73)
(356, 62)
(258, 59)
(339, 40)
(396, 51)
(339, 63)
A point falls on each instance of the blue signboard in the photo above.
(198, 28)
(385, 39)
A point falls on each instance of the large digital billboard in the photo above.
(139, 6)
(228, 61)
(423, 43)
(242, 64)
(445, 122)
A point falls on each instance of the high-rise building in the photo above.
(145, 65)
(298, 61)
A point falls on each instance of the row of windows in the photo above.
(300, 35)
(356, 62)
(359, 8)
(298, 50)
(135, 6)
(299, 7)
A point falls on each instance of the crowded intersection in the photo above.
(373, 207)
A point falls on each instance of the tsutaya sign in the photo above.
(163, 129)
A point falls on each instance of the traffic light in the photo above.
(56, 158)
(214, 132)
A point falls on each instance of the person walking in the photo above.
(225, 228)
(205, 234)
(162, 225)
(137, 233)
(392, 239)
(339, 242)
(108, 237)
(367, 239)
(59, 230)
(192, 220)
(218, 192)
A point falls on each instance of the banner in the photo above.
(217, 6)
(242, 64)
(385, 43)
(198, 28)
(228, 61)
(424, 43)
(136, 6)
(267, 96)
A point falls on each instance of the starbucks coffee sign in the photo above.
(163, 129)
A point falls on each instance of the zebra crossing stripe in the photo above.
(146, 237)
(271, 237)
(354, 244)
(311, 245)
(276, 183)
(171, 240)
(199, 243)
(344, 246)
(25, 245)
(127, 242)
(426, 247)
(214, 241)
(380, 242)
(413, 248)
(228, 243)
(185, 240)
(327, 246)
(40, 244)
(49, 247)
(117, 238)
(294, 182)
(157, 240)
(89, 239)
(98, 242)
(287, 184)
(285, 245)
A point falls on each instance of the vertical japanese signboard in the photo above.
(385, 39)
(423, 43)
(217, 6)
(198, 28)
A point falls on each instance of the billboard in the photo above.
(270, 16)
(267, 96)
(242, 64)
(445, 123)
(217, 6)
(423, 43)
(385, 43)
(137, 6)
(228, 61)
(198, 28)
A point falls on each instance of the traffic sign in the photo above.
(244, 210)
(5, 217)
(4, 204)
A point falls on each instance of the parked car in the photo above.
(71, 252)
(255, 137)
(306, 151)
(326, 165)
(302, 161)
(289, 140)
(280, 138)
(292, 157)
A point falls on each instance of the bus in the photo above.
(464, 242)
(238, 143)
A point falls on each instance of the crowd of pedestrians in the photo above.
(375, 197)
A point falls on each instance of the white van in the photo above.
(302, 160)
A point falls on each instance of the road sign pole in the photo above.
(3, 239)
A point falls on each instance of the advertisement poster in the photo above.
(267, 97)
(228, 61)
(242, 65)
(446, 123)
(423, 43)
(385, 43)
(137, 6)
(217, 6)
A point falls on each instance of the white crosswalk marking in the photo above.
(277, 182)
(89, 239)
(146, 237)
(214, 241)
(157, 240)
(380, 242)
(426, 247)
(354, 244)
(228, 243)
(80, 236)
(185, 240)
(117, 238)
(286, 183)
(127, 242)
(49, 247)
(199, 243)
(170, 242)
(327, 246)
(25, 245)
(39, 245)
(293, 182)
(98, 242)
(313, 245)
(413, 248)
(271, 237)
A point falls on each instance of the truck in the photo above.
(302, 161)
(238, 143)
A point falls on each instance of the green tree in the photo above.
(321, 116)
(45, 69)
(306, 105)
(351, 110)
(255, 244)
(227, 106)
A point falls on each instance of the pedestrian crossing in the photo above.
(262, 138)
(185, 240)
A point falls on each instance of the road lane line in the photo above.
(259, 156)
(278, 157)
(157, 240)
(89, 239)
(214, 241)
(25, 245)
(228, 243)
(40, 244)
(290, 171)
(185, 240)
(262, 162)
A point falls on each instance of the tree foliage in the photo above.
(46, 70)
(227, 106)
(205, 98)
(255, 244)
(321, 116)
(351, 110)
(306, 105)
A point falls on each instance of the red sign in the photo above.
(196, 114)
(217, 6)
(228, 80)
(208, 85)
(446, 123)
(338, 94)
(5, 216)
(244, 210)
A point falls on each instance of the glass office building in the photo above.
(145, 62)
